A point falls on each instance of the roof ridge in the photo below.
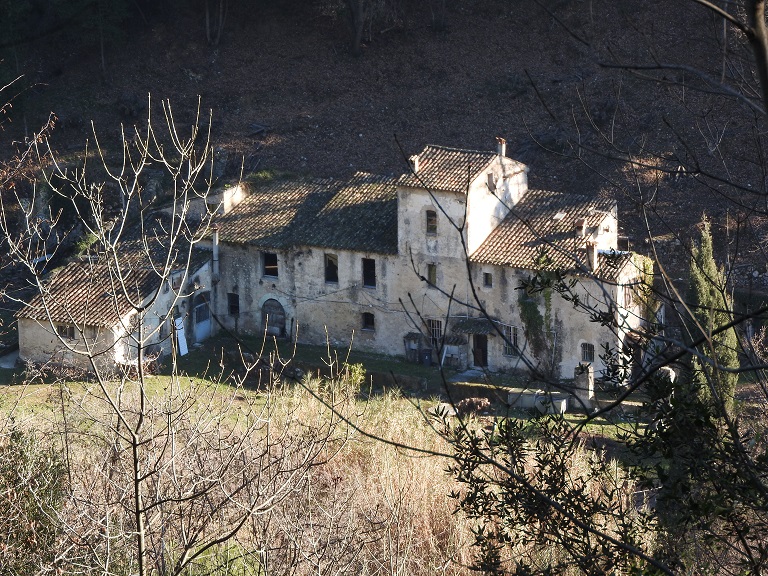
(452, 149)
(569, 194)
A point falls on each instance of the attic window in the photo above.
(559, 216)
(491, 181)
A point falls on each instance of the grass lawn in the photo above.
(216, 360)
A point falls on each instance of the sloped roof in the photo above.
(359, 213)
(450, 169)
(610, 265)
(100, 291)
(543, 221)
(88, 294)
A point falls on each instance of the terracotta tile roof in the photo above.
(610, 265)
(85, 294)
(450, 169)
(362, 216)
(543, 220)
(88, 292)
(359, 213)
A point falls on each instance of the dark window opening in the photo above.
(487, 279)
(369, 321)
(431, 222)
(233, 303)
(587, 352)
(369, 272)
(432, 274)
(331, 268)
(270, 264)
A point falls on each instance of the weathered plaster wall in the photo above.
(39, 343)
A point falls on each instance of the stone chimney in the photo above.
(501, 146)
(581, 227)
(415, 163)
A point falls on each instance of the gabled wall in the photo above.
(492, 194)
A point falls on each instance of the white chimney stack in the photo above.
(415, 163)
(592, 256)
(501, 146)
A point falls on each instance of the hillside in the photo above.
(534, 74)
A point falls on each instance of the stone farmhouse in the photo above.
(428, 265)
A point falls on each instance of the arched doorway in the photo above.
(202, 316)
(273, 318)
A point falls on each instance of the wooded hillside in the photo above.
(287, 92)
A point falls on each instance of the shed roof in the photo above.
(451, 169)
(102, 289)
(543, 221)
(358, 213)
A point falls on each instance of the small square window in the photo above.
(331, 268)
(587, 352)
(369, 272)
(233, 304)
(432, 274)
(369, 321)
(487, 279)
(176, 279)
(431, 222)
(270, 264)
(65, 331)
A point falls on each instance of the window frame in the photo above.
(488, 279)
(511, 340)
(331, 264)
(435, 330)
(431, 222)
(369, 272)
(65, 331)
(267, 267)
(587, 352)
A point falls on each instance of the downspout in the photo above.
(215, 230)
